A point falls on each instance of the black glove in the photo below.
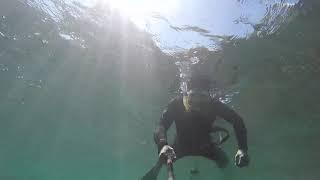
(241, 158)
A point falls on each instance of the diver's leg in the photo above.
(220, 158)
(179, 151)
(216, 154)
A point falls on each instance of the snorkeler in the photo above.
(194, 114)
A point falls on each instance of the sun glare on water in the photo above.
(136, 10)
(132, 7)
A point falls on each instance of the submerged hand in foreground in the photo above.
(167, 152)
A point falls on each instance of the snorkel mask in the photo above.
(197, 93)
(195, 99)
(198, 96)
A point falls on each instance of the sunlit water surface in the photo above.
(83, 82)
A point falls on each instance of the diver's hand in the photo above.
(241, 158)
(167, 153)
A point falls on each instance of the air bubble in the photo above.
(44, 42)
(1, 34)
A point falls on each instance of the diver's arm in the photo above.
(232, 117)
(160, 134)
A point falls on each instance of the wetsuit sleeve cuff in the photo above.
(245, 149)
(162, 142)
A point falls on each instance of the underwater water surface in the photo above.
(83, 83)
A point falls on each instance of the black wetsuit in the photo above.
(193, 130)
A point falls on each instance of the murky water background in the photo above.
(82, 85)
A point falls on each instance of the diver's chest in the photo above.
(196, 118)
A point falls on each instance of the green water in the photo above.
(86, 107)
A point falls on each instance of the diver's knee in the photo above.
(222, 163)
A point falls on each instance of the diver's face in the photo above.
(198, 98)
